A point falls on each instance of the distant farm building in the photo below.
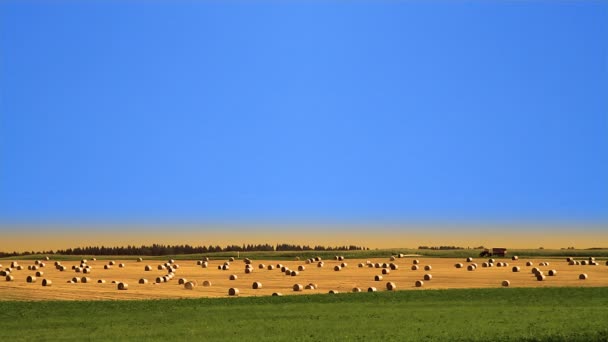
(499, 251)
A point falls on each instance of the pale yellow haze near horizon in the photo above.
(39, 239)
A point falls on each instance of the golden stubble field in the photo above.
(444, 276)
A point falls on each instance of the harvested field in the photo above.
(445, 276)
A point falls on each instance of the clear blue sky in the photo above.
(394, 111)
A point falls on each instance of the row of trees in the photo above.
(440, 247)
(158, 249)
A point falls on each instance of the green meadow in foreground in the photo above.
(524, 314)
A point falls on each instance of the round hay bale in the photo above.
(160, 267)
(206, 283)
(428, 268)
(337, 268)
(76, 280)
(205, 258)
(540, 277)
(112, 262)
(361, 265)
(606, 263)
(123, 286)
(552, 273)
(256, 285)
(377, 265)
(121, 265)
(506, 283)
(284, 268)
(386, 271)
(529, 263)
(148, 268)
(160, 280)
(231, 259)
(301, 268)
(277, 294)
(582, 276)
(199, 262)
(372, 289)
(205, 264)
(31, 279)
(516, 269)
(294, 273)
(233, 277)
(356, 289)
(415, 261)
(571, 262)
(140, 259)
(107, 267)
(391, 286)
(85, 280)
(225, 267)
(333, 292)
(428, 276)
(298, 287)
(9, 278)
(309, 287)
(568, 259)
(392, 258)
(584, 262)
(39, 274)
(340, 258)
(86, 271)
(143, 281)
(270, 267)
(37, 262)
(393, 266)
(101, 281)
(249, 270)
(262, 266)
(78, 269)
(459, 265)
(378, 278)
(469, 259)
(471, 268)
(491, 261)
(19, 268)
(313, 286)
(46, 282)
(62, 268)
(485, 264)
(419, 283)
(414, 267)
(343, 264)
(14, 264)
(190, 285)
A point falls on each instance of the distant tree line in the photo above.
(440, 247)
(159, 249)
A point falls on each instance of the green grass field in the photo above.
(548, 314)
(375, 253)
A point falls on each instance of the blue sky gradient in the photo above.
(367, 111)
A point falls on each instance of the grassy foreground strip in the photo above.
(509, 314)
